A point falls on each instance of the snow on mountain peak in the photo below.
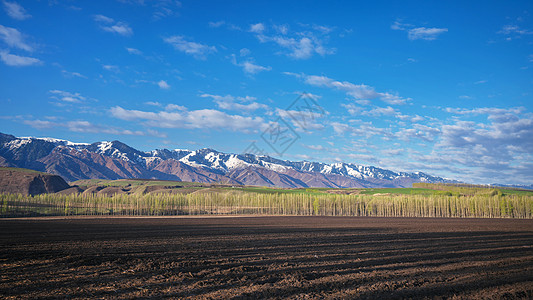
(28, 139)
(104, 146)
(235, 162)
(14, 144)
(220, 162)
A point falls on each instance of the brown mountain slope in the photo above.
(4, 162)
(75, 165)
(115, 160)
(28, 182)
(185, 172)
(264, 177)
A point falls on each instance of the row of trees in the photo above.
(486, 205)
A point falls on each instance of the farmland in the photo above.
(128, 239)
(265, 257)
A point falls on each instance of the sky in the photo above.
(442, 87)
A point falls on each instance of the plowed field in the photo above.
(266, 257)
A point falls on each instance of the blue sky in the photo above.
(443, 87)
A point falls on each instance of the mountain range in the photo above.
(115, 160)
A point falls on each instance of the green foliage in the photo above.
(443, 193)
(401, 191)
(496, 192)
(20, 170)
(222, 202)
(134, 183)
(316, 207)
(471, 189)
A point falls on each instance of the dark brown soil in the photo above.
(266, 257)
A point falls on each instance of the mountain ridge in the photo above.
(116, 160)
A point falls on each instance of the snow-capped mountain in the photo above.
(113, 160)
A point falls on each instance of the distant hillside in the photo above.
(29, 182)
(116, 160)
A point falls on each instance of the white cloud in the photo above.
(103, 19)
(111, 68)
(161, 8)
(496, 140)
(153, 103)
(163, 85)
(216, 24)
(315, 147)
(397, 25)
(302, 49)
(389, 111)
(88, 127)
(40, 124)
(15, 11)
(302, 120)
(423, 33)
(416, 118)
(369, 158)
(109, 25)
(380, 111)
(14, 39)
(367, 130)
(244, 52)
(302, 156)
(252, 68)
(499, 148)
(492, 112)
(199, 51)
(365, 102)
(225, 24)
(352, 108)
(364, 129)
(134, 51)
(297, 75)
(423, 132)
(249, 67)
(230, 102)
(393, 99)
(175, 107)
(67, 96)
(393, 152)
(119, 28)
(72, 74)
(323, 29)
(299, 48)
(165, 8)
(419, 33)
(340, 128)
(18, 61)
(283, 29)
(357, 91)
(257, 28)
(487, 144)
(302, 45)
(196, 119)
(514, 30)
